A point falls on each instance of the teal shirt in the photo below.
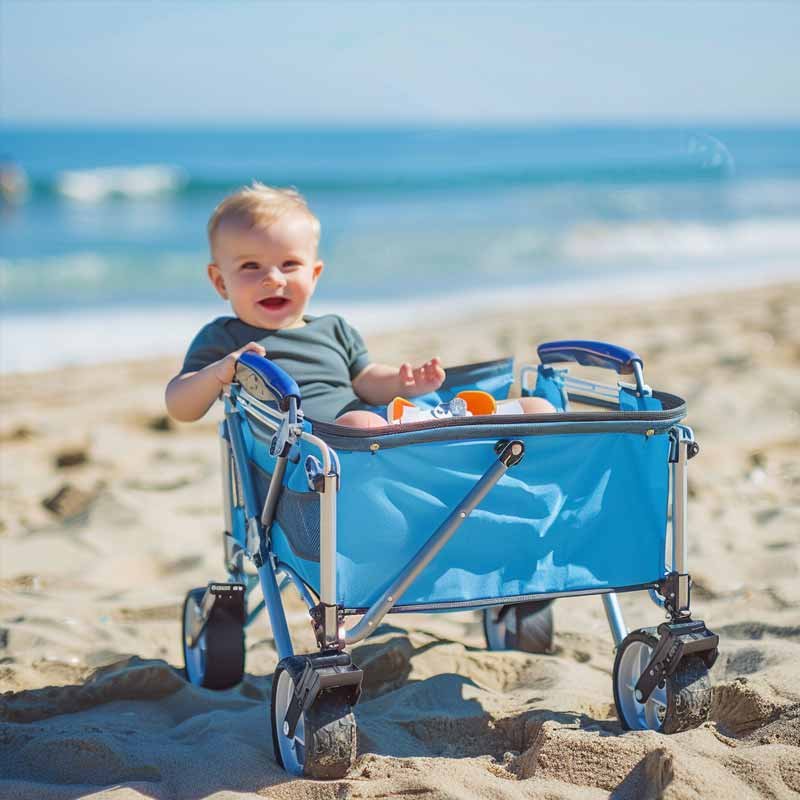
(323, 356)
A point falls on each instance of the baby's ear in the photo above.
(317, 269)
(217, 280)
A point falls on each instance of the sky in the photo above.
(240, 63)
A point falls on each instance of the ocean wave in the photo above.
(153, 180)
(103, 183)
(659, 241)
(433, 259)
(88, 277)
(766, 196)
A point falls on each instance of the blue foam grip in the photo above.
(279, 383)
(589, 354)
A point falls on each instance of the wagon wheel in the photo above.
(524, 626)
(324, 741)
(683, 702)
(216, 660)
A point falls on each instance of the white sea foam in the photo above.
(34, 341)
(768, 195)
(662, 241)
(97, 185)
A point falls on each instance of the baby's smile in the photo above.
(273, 303)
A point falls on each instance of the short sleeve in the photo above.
(212, 343)
(355, 349)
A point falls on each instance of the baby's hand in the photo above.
(226, 367)
(420, 380)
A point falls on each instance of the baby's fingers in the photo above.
(253, 347)
(250, 347)
(420, 372)
(406, 374)
(433, 370)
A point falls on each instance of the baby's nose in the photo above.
(275, 277)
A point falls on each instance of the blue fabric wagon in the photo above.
(500, 514)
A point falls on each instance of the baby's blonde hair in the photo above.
(258, 206)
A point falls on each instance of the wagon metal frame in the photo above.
(660, 674)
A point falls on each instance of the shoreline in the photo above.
(94, 337)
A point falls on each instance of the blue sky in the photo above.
(344, 62)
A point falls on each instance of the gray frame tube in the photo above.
(679, 516)
(273, 493)
(327, 527)
(638, 373)
(266, 574)
(594, 388)
(426, 553)
(614, 616)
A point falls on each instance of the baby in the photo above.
(264, 262)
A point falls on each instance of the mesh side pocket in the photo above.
(297, 514)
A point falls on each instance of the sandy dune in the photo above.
(110, 514)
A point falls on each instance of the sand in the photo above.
(110, 514)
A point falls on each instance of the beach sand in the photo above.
(110, 514)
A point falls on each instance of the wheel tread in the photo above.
(225, 646)
(330, 730)
(225, 651)
(331, 747)
(689, 697)
(689, 692)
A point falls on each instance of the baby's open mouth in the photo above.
(273, 302)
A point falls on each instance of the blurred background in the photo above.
(458, 155)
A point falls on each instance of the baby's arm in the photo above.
(379, 384)
(190, 395)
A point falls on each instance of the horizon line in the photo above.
(400, 124)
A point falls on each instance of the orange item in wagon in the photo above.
(478, 402)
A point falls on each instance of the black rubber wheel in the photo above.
(524, 626)
(217, 659)
(682, 703)
(324, 742)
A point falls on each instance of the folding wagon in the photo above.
(500, 514)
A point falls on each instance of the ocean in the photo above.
(103, 255)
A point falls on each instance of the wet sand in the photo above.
(110, 513)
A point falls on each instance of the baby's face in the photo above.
(267, 274)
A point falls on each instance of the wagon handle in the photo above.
(266, 381)
(594, 354)
(589, 354)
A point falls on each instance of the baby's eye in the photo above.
(290, 264)
(249, 265)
